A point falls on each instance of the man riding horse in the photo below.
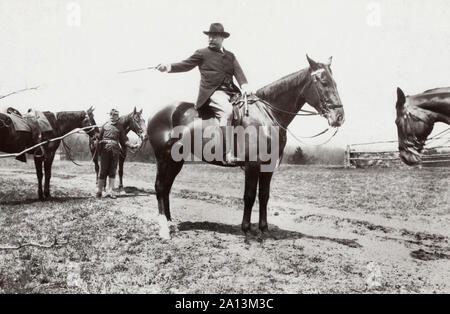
(217, 67)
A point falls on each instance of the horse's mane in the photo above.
(283, 85)
(437, 90)
(124, 118)
(65, 116)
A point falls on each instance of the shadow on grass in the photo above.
(132, 191)
(275, 232)
(51, 199)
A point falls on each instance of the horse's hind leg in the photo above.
(264, 193)
(39, 174)
(166, 174)
(97, 170)
(121, 162)
(48, 173)
(251, 183)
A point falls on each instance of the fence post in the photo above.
(347, 163)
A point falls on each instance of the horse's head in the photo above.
(413, 130)
(322, 93)
(137, 123)
(88, 120)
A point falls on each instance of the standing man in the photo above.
(111, 139)
(217, 68)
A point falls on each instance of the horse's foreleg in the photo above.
(166, 174)
(121, 162)
(264, 193)
(97, 170)
(48, 173)
(39, 174)
(251, 183)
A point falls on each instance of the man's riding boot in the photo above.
(100, 185)
(230, 159)
(111, 192)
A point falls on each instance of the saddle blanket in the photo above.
(23, 124)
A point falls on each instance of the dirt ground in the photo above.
(333, 230)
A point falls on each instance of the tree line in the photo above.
(79, 150)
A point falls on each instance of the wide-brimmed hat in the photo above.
(217, 29)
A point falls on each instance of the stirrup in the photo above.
(231, 160)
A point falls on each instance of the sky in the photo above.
(75, 49)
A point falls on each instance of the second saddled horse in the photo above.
(12, 141)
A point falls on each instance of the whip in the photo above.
(137, 70)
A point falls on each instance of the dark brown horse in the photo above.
(416, 116)
(130, 122)
(282, 100)
(12, 141)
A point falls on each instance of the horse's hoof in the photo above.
(164, 234)
(264, 228)
(245, 228)
(247, 238)
(263, 236)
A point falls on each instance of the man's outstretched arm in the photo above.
(183, 66)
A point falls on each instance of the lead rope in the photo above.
(69, 153)
(78, 130)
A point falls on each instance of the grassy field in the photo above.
(332, 230)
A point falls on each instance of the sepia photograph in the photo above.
(224, 153)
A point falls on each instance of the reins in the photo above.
(323, 105)
(297, 138)
(69, 152)
(77, 130)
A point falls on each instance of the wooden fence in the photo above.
(386, 155)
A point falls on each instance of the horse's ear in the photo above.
(330, 60)
(140, 112)
(401, 98)
(134, 111)
(313, 64)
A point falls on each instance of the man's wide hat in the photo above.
(217, 29)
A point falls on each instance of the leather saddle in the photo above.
(240, 105)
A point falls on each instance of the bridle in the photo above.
(137, 126)
(324, 102)
(87, 120)
(411, 140)
(139, 131)
(324, 105)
